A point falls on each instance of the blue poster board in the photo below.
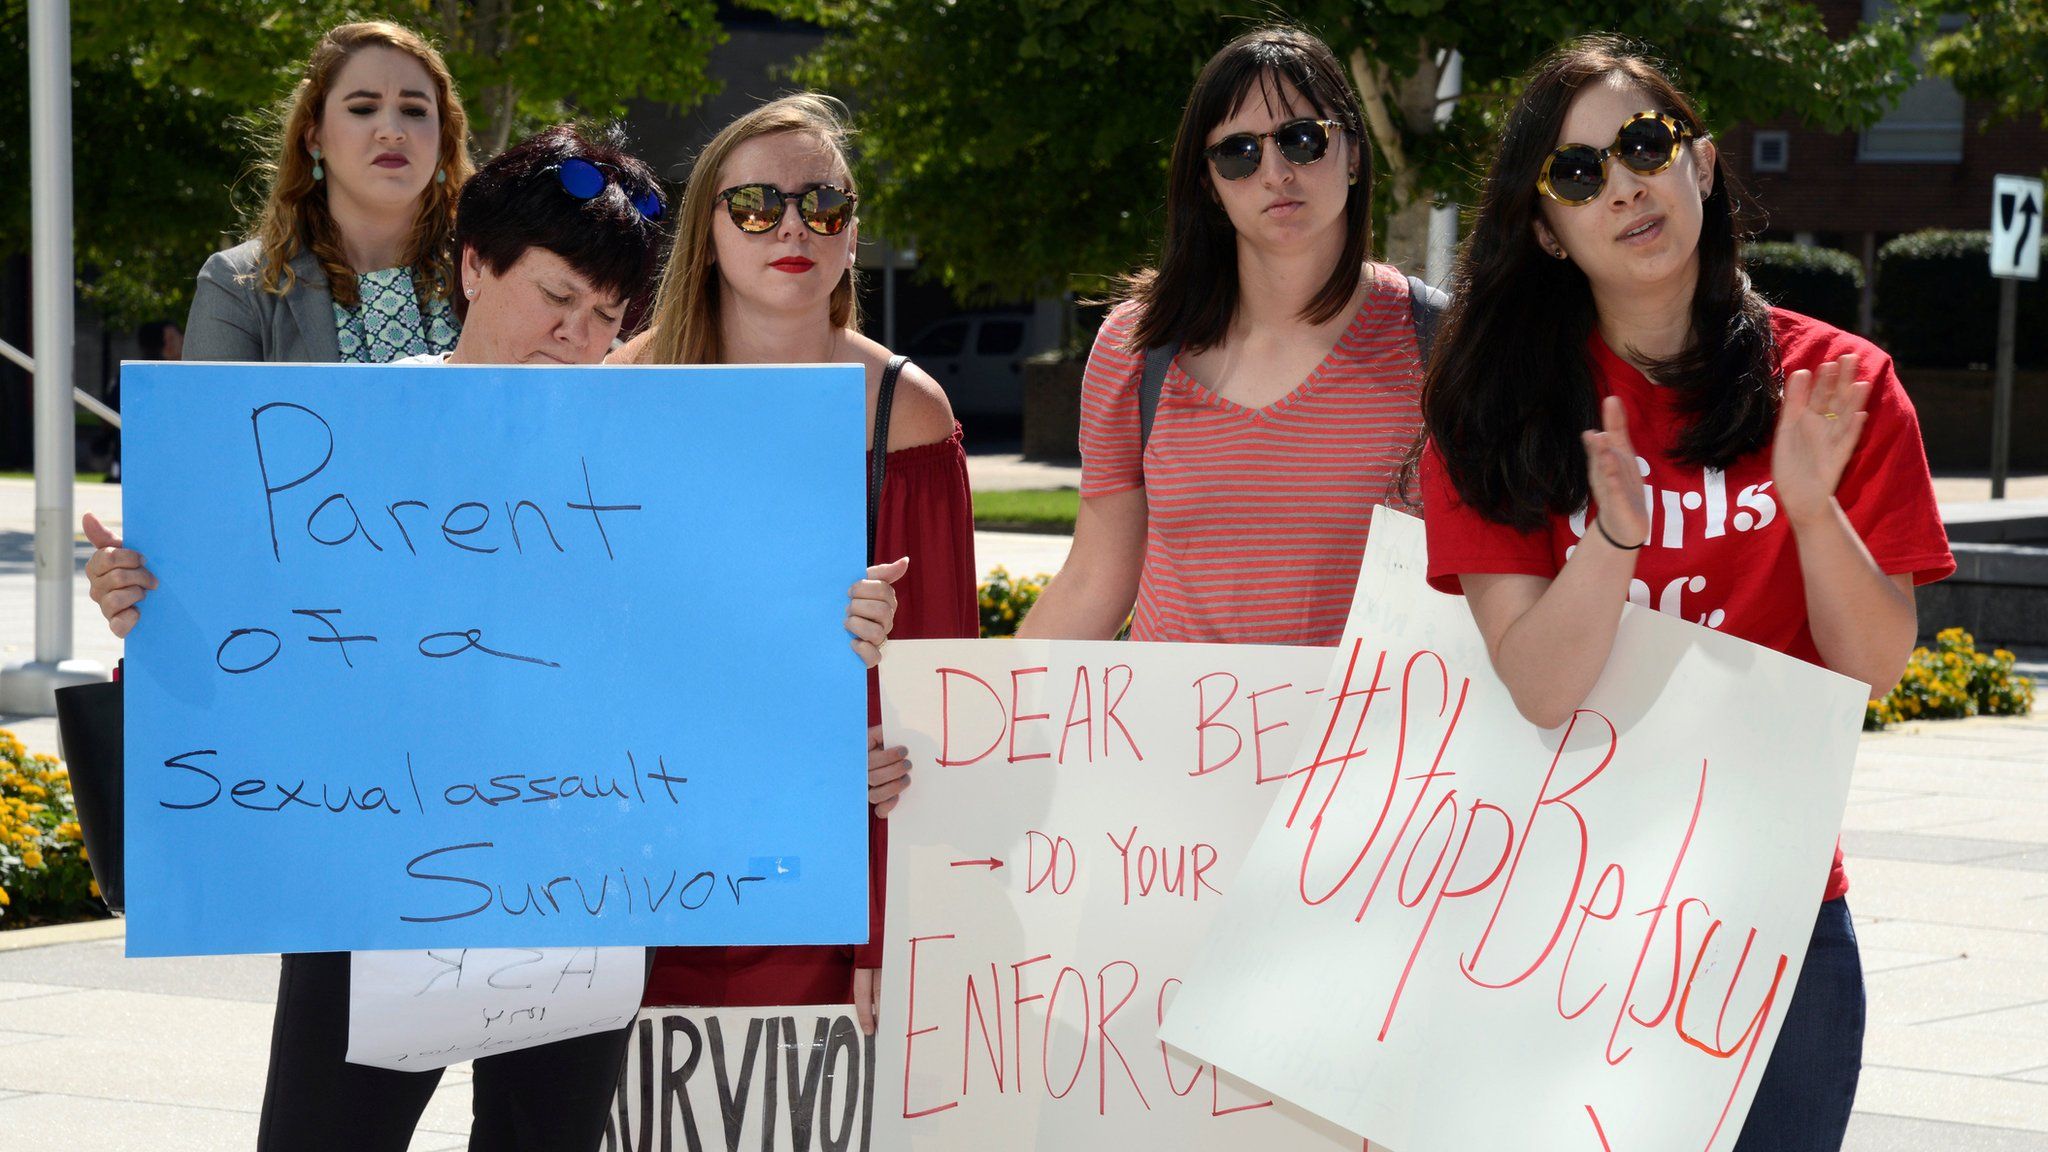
(486, 657)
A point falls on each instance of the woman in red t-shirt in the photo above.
(1292, 392)
(1746, 468)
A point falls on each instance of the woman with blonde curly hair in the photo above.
(350, 259)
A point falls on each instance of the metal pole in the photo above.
(1443, 219)
(2001, 391)
(49, 67)
(29, 688)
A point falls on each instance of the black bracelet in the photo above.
(1611, 540)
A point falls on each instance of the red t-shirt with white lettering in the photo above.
(1720, 551)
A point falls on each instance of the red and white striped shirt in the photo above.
(1256, 518)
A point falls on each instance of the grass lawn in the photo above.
(83, 477)
(1029, 510)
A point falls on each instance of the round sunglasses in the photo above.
(586, 180)
(756, 208)
(1301, 142)
(1647, 143)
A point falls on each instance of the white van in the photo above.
(978, 358)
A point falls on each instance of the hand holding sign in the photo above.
(116, 578)
(888, 773)
(871, 608)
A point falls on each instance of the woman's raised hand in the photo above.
(1615, 479)
(117, 579)
(1818, 425)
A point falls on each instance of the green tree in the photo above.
(2000, 54)
(1022, 144)
(168, 102)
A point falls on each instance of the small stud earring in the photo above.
(440, 175)
(469, 292)
(319, 173)
(1354, 178)
(1558, 251)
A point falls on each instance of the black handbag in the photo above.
(90, 724)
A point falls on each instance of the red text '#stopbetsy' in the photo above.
(1554, 905)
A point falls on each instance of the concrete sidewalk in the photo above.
(1946, 831)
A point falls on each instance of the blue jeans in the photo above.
(1802, 1103)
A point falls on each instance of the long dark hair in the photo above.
(1190, 298)
(1509, 390)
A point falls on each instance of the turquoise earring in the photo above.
(319, 173)
(440, 175)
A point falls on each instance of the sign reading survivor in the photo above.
(488, 657)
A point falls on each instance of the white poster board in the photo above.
(1459, 931)
(411, 1010)
(1078, 810)
(792, 1079)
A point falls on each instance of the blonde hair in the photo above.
(686, 307)
(295, 216)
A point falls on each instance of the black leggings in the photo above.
(550, 1098)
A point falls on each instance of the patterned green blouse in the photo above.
(389, 323)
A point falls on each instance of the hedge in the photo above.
(1820, 282)
(1937, 304)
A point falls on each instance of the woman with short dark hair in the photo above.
(557, 236)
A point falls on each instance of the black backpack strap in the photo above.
(1150, 385)
(1425, 306)
(878, 453)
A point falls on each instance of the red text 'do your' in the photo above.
(1166, 870)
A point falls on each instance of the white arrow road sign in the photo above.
(2016, 207)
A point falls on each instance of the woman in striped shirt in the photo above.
(1292, 388)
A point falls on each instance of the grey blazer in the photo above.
(233, 318)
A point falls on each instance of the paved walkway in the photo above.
(1947, 834)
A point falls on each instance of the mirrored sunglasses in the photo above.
(756, 208)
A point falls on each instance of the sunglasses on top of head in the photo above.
(756, 208)
(1648, 144)
(1301, 142)
(586, 180)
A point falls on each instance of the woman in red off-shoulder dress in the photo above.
(762, 273)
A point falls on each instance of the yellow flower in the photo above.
(32, 858)
(5, 900)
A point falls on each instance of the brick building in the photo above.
(1928, 164)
